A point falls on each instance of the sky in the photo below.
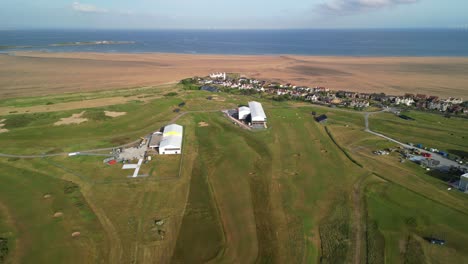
(234, 14)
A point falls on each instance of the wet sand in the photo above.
(36, 73)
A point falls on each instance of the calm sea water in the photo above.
(305, 42)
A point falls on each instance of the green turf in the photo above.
(431, 130)
(39, 237)
(400, 213)
(281, 195)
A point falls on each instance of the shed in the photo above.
(321, 118)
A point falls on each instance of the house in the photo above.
(244, 112)
(258, 116)
(218, 75)
(312, 98)
(321, 119)
(209, 88)
(171, 142)
(454, 100)
(406, 101)
(359, 103)
(463, 185)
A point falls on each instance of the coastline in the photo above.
(31, 73)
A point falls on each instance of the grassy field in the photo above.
(38, 227)
(297, 192)
(431, 130)
(404, 205)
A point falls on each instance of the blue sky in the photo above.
(234, 14)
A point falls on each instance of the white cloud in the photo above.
(87, 8)
(353, 6)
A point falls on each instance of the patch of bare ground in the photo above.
(76, 234)
(74, 119)
(203, 124)
(58, 214)
(217, 98)
(114, 114)
(2, 130)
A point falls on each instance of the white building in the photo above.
(463, 185)
(171, 142)
(405, 101)
(258, 115)
(218, 75)
(244, 112)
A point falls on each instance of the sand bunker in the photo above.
(114, 114)
(74, 119)
(203, 124)
(58, 214)
(47, 196)
(76, 234)
(217, 98)
(2, 130)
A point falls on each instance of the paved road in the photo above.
(444, 162)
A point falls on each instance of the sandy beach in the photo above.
(36, 73)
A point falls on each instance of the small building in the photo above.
(321, 119)
(258, 116)
(244, 112)
(171, 142)
(463, 185)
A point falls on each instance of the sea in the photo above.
(355, 42)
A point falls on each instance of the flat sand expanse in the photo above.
(35, 73)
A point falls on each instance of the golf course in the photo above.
(297, 192)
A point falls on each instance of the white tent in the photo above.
(244, 111)
(256, 109)
(171, 142)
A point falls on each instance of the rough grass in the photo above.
(335, 233)
(414, 253)
(37, 235)
(375, 243)
(399, 213)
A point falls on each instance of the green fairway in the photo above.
(297, 192)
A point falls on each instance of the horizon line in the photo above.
(237, 29)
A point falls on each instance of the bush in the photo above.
(96, 115)
(3, 249)
(171, 94)
(189, 84)
(414, 253)
(17, 121)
